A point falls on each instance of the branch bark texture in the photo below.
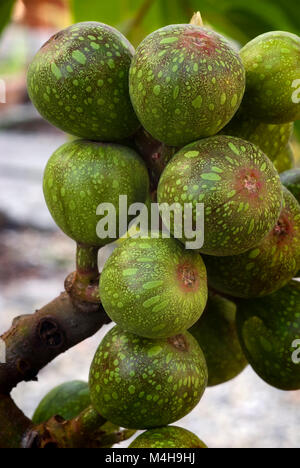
(35, 340)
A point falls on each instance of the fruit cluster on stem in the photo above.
(202, 125)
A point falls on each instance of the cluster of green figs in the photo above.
(183, 119)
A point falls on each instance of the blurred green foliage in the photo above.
(6, 7)
(240, 19)
(135, 18)
(13, 60)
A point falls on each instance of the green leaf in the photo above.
(6, 7)
(134, 18)
(242, 20)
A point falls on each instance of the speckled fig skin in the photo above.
(155, 154)
(238, 185)
(82, 174)
(291, 180)
(271, 139)
(78, 81)
(141, 384)
(154, 288)
(216, 334)
(185, 83)
(272, 64)
(267, 329)
(267, 267)
(285, 160)
(167, 437)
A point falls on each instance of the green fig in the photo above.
(272, 64)
(271, 139)
(285, 160)
(78, 81)
(269, 332)
(154, 287)
(216, 334)
(167, 437)
(186, 82)
(291, 180)
(141, 384)
(67, 400)
(269, 266)
(81, 175)
(236, 182)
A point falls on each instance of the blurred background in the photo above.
(35, 256)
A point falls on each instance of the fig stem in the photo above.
(197, 19)
(83, 284)
(83, 431)
(87, 262)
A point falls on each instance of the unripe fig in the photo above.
(167, 437)
(78, 81)
(67, 400)
(140, 383)
(269, 332)
(82, 174)
(154, 287)
(291, 180)
(236, 182)
(285, 160)
(186, 82)
(267, 267)
(272, 63)
(216, 334)
(271, 139)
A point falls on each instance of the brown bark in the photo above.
(13, 424)
(85, 431)
(35, 340)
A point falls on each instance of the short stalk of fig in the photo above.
(197, 19)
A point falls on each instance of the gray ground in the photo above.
(34, 260)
